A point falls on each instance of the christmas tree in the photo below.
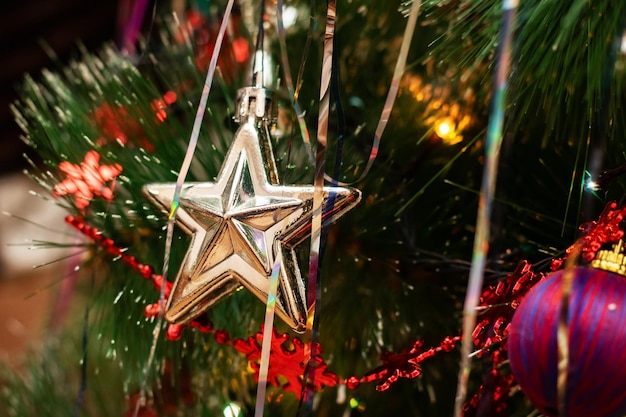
(402, 106)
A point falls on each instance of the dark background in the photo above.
(24, 25)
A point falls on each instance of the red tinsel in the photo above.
(405, 364)
(236, 46)
(497, 305)
(287, 352)
(287, 361)
(599, 232)
(115, 123)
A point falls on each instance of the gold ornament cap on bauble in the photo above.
(613, 260)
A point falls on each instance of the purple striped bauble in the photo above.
(596, 378)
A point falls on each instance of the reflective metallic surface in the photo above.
(240, 226)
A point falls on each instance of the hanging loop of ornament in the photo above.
(613, 260)
(256, 103)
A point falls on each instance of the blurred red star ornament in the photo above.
(87, 180)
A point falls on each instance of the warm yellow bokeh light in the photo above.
(446, 130)
(443, 128)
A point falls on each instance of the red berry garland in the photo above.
(497, 306)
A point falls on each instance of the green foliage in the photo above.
(395, 268)
(49, 384)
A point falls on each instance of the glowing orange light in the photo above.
(446, 130)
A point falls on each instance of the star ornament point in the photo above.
(241, 225)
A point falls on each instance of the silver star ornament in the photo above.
(245, 223)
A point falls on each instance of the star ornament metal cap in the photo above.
(241, 226)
